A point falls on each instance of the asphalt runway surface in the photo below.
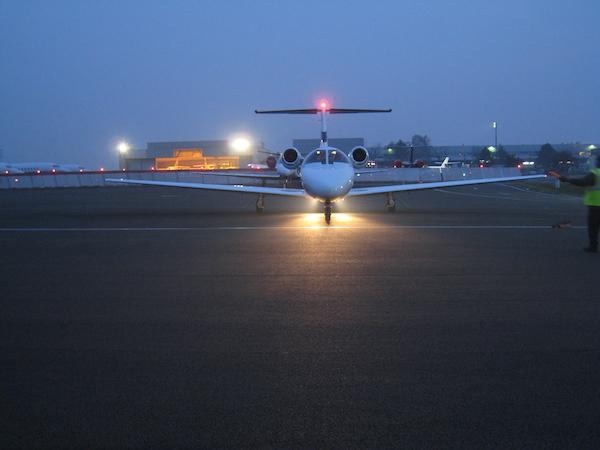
(163, 317)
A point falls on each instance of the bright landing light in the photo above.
(318, 219)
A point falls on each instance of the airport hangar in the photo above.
(182, 155)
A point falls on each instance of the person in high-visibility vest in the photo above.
(591, 182)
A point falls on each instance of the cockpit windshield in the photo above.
(327, 156)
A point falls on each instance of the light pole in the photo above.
(123, 148)
(495, 125)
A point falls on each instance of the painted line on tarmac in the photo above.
(100, 229)
(308, 227)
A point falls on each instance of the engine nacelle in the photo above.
(359, 157)
(291, 158)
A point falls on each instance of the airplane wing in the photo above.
(366, 171)
(272, 175)
(261, 174)
(434, 185)
(302, 193)
(219, 187)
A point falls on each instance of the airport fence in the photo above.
(87, 179)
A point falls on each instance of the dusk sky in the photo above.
(78, 76)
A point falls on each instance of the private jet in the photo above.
(39, 167)
(327, 174)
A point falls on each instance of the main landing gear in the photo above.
(391, 203)
(260, 203)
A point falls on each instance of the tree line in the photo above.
(548, 158)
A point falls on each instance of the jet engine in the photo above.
(291, 158)
(359, 157)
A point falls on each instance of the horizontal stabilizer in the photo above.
(290, 111)
(351, 111)
(316, 111)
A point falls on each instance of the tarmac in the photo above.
(163, 317)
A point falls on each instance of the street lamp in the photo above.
(240, 145)
(123, 148)
(495, 125)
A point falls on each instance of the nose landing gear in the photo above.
(327, 212)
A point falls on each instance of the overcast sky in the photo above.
(78, 76)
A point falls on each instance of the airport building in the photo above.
(209, 155)
(189, 155)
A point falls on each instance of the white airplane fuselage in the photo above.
(327, 174)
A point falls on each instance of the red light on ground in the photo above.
(124, 170)
(101, 169)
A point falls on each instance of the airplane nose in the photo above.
(328, 186)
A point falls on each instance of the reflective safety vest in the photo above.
(592, 193)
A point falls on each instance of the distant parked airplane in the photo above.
(39, 167)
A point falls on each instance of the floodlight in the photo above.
(241, 144)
